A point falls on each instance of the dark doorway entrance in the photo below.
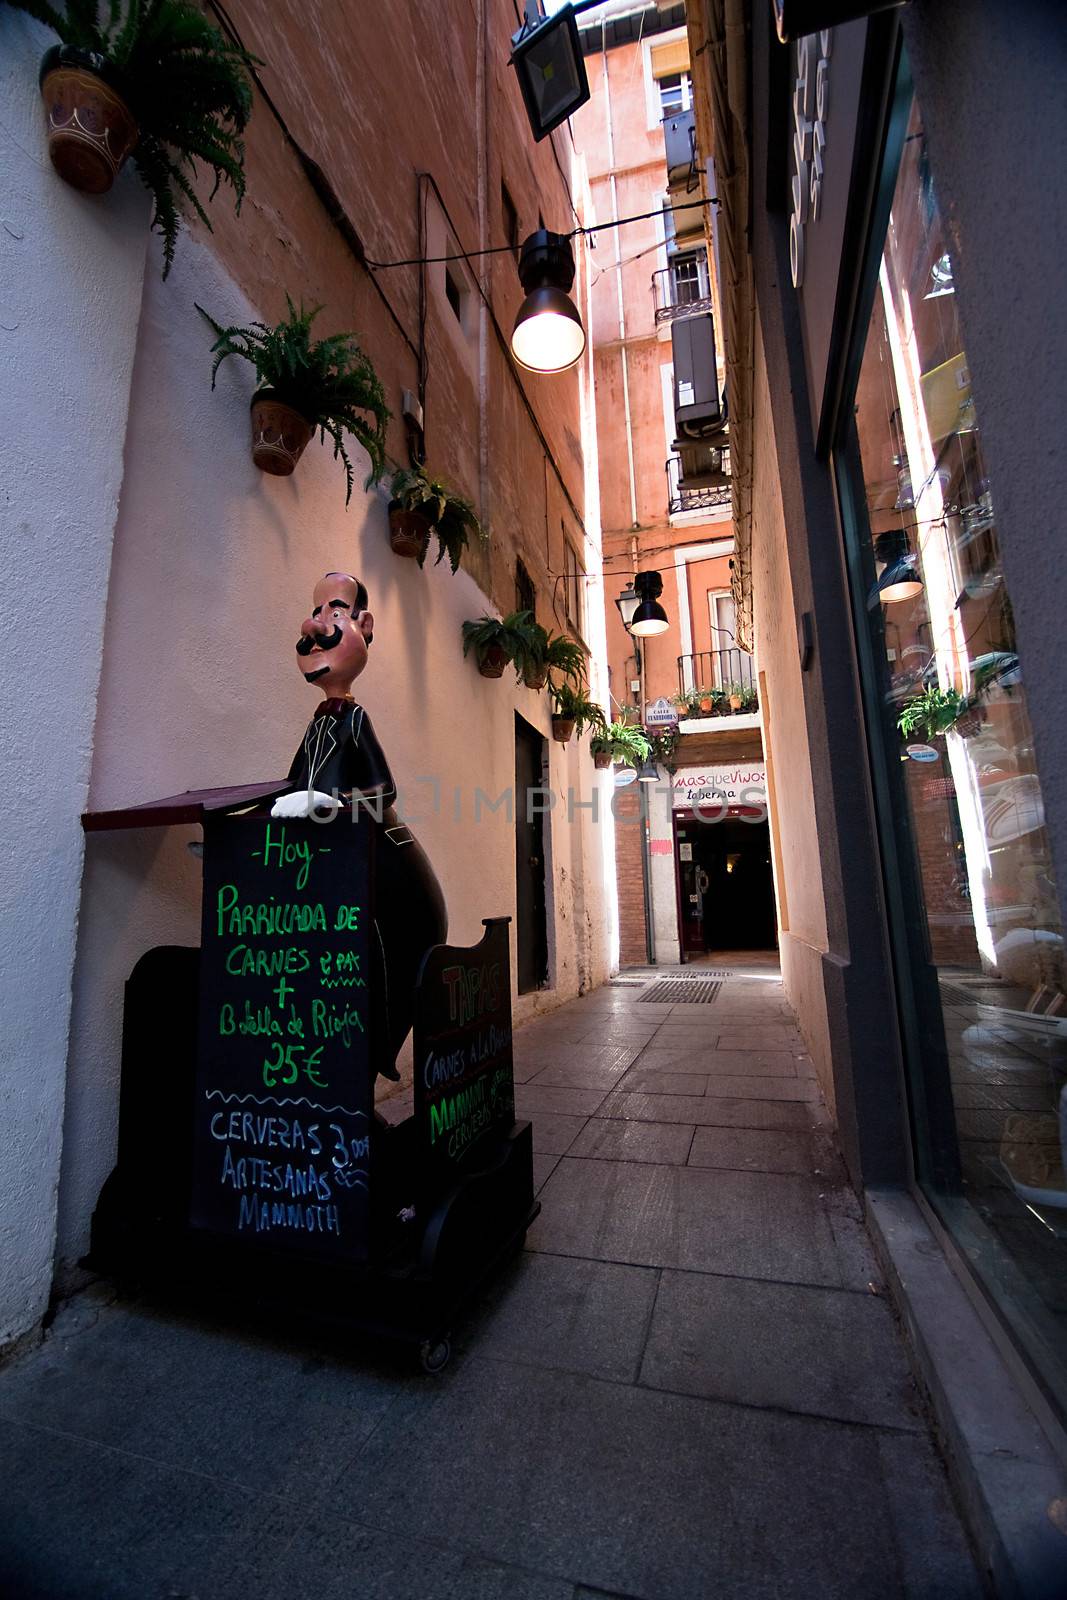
(725, 888)
(531, 933)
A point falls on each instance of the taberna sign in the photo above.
(713, 793)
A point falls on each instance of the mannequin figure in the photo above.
(339, 765)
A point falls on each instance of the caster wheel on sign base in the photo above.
(434, 1355)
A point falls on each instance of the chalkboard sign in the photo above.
(464, 1078)
(283, 1093)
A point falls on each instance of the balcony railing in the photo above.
(679, 499)
(676, 295)
(712, 677)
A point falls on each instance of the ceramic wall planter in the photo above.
(91, 130)
(492, 661)
(562, 729)
(279, 434)
(535, 680)
(602, 759)
(409, 531)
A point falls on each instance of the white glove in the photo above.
(302, 802)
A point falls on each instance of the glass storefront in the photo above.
(969, 876)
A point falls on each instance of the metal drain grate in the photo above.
(672, 991)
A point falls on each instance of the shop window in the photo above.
(970, 879)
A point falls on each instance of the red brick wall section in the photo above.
(633, 948)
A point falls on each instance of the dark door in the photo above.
(530, 928)
(725, 887)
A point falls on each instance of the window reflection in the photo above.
(955, 705)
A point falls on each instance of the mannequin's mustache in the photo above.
(307, 642)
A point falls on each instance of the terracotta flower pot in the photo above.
(735, 702)
(492, 661)
(535, 680)
(409, 531)
(602, 759)
(91, 129)
(279, 434)
(706, 706)
(562, 729)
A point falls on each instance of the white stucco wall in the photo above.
(70, 285)
(214, 564)
(663, 882)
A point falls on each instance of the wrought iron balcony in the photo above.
(682, 289)
(709, 679)
(681, 498)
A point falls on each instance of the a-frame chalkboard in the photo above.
(464, 1078)
(284, 1099)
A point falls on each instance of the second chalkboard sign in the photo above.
(464, 1078)
(281, 1146)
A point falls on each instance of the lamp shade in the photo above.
(548, 335)
(550, 67)
(899, 578)
(648, 772)
(649, 618)
(899, 581)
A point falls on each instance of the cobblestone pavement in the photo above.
(689, 1385)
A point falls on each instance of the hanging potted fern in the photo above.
(573, 712)
(305, 384)
(151, 79)
(622, 742)
(550, 651)
(495, 642)
(422, 505)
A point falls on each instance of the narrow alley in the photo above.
(691, 1384)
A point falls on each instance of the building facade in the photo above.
(185, 571)
(693, 851)
(890, 256)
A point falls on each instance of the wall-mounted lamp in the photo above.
(649, 618)
(627, 603)
(547, 56)
(648, 772)
(899, 578)
(548, 335)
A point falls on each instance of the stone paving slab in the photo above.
(569, 1315)
(554, 1132)
(650, 1080)
(543, 1168)
(781, 1088)
(710, 1110)
(82, 1522)
(578, 1075)
(823, 1352)
(754, 1150)
(531, 1098)
(752, 1224)
(269, 1415)
(636, 1492)
(692, 1056)
(614, 1140)
(758, 1037)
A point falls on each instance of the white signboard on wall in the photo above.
(717, 791)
